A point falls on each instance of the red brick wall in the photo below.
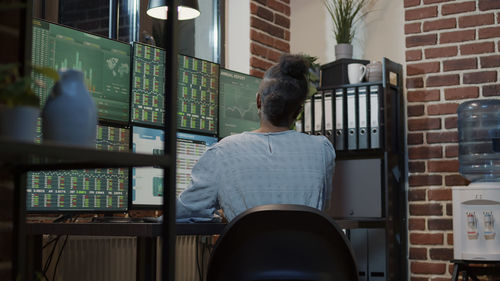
(269, 33)
(452, 55)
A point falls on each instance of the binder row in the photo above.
(353, 122)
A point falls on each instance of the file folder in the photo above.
(374, 118)
(339, 119)
(307, 116)
(352, 133)
(328, 113)
(318, 114)
(363, 124)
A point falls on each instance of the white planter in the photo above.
(70, 115)
(18, 123)
(343, 51)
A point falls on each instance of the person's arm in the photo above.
(329, 156)
(199, 200)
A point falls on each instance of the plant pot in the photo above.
(18, 123)
(70, 114)
(343, 51)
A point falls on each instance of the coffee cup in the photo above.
(356, 72)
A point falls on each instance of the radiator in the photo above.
(114, 259)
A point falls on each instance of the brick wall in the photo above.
(452, 55)
(269, 33)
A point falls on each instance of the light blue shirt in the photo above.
(251, 169)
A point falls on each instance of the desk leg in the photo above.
(146, 259)
(455, 272)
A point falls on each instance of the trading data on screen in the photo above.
(148, 85)
(83, 190)
(147, 182)
(197, 103)
(105, 65)
(237, 103)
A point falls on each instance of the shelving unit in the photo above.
(23, 157)
(376, 197)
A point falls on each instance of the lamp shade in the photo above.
(188, 9)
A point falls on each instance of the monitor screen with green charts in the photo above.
(237, 103)
(105, 64)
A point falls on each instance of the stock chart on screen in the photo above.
(83, 190)
(105, 64)
(148, 84)
(237, 103)
(197, 103)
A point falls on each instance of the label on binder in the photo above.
(339, 119)
(351, 119)
(374, 118)
(363, 126)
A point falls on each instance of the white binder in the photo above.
(328, 112)
(352, 132)
(374, 118)
(339, 120)
(363, 113)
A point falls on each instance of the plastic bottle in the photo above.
(479, 140)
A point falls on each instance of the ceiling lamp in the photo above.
(187, 9)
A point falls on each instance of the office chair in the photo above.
(282, 242)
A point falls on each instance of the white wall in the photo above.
(381, 34)
(238, 35)
(310, 30)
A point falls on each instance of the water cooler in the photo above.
(476, 208)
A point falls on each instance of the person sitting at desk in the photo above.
(271, 165)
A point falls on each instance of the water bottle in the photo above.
(479, 140)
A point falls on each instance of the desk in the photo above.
(473, 268)
(146, 234)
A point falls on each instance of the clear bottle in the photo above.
(479, 140)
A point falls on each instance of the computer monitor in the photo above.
(237, 103)
(91, 190)
(105, 64)
(197, 102)
(148, 85)
(147, 183)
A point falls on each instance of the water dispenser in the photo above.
(476, 207)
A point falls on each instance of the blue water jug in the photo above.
(479, 140)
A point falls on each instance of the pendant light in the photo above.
(187, 9)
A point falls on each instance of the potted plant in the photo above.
(19, 105)
(345, 14)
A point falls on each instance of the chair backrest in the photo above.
(282, 242)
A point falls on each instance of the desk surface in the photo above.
(121, 229)
(151, 229)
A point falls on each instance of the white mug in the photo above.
(356, 72)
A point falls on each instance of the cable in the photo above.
(59, 258)
(49, 258)
(48, 243)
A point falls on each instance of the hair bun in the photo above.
(295, 66)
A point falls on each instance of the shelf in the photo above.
(38, 157)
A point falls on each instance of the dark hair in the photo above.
(284, 89)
